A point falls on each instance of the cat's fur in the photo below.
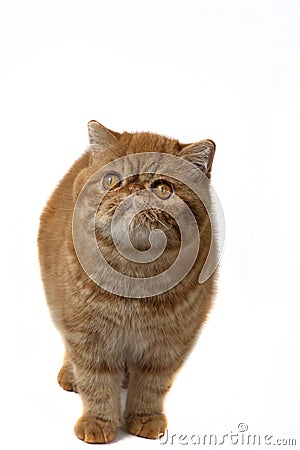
(105, 335)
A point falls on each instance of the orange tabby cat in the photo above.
(114, 330)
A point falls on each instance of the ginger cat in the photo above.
(116, 331)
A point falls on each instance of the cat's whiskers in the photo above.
(163, 224)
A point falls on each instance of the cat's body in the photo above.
(107, 335)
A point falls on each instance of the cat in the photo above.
(116, 331)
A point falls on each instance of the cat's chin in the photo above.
(139, 235)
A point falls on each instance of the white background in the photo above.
(226, 70)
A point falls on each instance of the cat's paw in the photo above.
(95, 431)
(147, 426)
(66, 379)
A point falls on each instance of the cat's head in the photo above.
(140, 183)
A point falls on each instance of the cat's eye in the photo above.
(162, 189)
(111, 180)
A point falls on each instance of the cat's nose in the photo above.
(135, 188)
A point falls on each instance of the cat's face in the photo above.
(134, 176)
(140, 204)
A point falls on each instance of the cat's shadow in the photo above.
(122, 432)
(123, 404)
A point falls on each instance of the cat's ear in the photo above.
(100, 137)
(201, 154)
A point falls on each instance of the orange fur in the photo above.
(106, 335)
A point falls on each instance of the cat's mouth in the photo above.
(149, 219)
(137, 211)
(138, 225)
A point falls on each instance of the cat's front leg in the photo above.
(99, 388)
(144, 414)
